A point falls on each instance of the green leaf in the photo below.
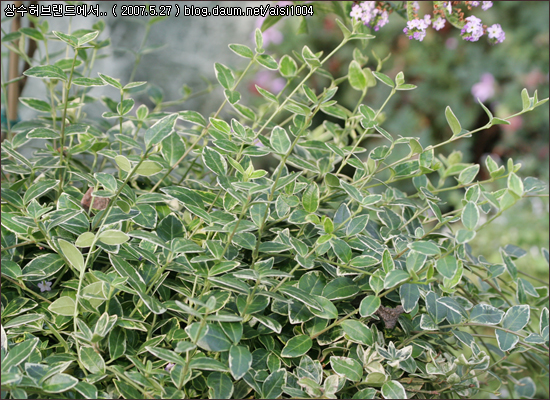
(357, 225)
(214, 161)
(470, 215)
(113, 237)
(148, 168)
(342, 249)
(152, 303)
(506, 340)
(310, 58)
(36, 104)
(525, 101)
(272, 387)
(224, 76)
(193, 117)
(516, 317)
(369, 305)
(38, 189)
(59, 383)
(166, 355)
(117, 343)
(240, 361)
(92, 361)
(267, 61)
(214, 339)
(46, 71)
(219, 386)
(364, 261)
(395, 277)
(409, 294)
(41, 267)
(515, 184)
(464, 236)
(88, 82)
(425, 247)
(123, 163)
(287, 66)
(356, 76)
(510, 265)
(525, 388)
(352, 191)
(385, 79)
(300, 295)
(242, 50)
(486, 314)
(279, 140)
(447, 266)
(452, 121)
(358, 332)
(387, 261)
(393, 390)
(347, 367)
(207, 364)
(87, 390)
(340, 288)
(63, 306)
(310, 199)
(297, 346)
(160, 130)
(73, 255)
(111, 81)
(18, 353)
(124, 269)
(259, 39)
(467, 175)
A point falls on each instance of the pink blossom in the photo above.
(485, 88)
(486, 5)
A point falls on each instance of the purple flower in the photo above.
(416, 29)
(415, 6)
(371, 16)
(485, 88)
(169, 367)
(356, 12)
(428, 19)
(486, 5)
(45, 286)
(496, 34)
(438, 24)
(473, 29)
(449, 6)
(474, 3)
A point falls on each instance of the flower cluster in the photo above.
(372, 15)
(416, 28)
(496, 34)
(473, 29)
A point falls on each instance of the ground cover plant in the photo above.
(147, 256)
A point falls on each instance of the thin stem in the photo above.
(63, 123)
